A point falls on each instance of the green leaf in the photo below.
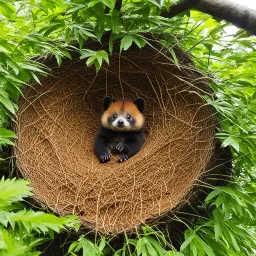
(14, 79)
(6, 9)
(100, 27)
(126, 42)
(68, 33)
(85, 53)
(104, 55)
(139, 247)
(231, 141)
(109, 3)
(118, 252)
(34, 66)
(116, 22)
(102, 244)
(4, 116)
(73, 246)
(87, 33)
(236, 193)
(97, 64)
(234, 242)
(207, 249)
(13, 90)
(76, 8)
(66, 53)
(58, 58)
(99, 59)
(35, 77)
(7, 133)
(5, 141)
(156, 245)
(218, 223)
(213, 194)
(156, 3)
(38, 221)
(53, 28)
(175, 59)
(111, 40)
(88, 248)
(173, 253)
(91, 60)
(14, 66)
(12, 190)
(190, 235)
(5, 101)
(3, 245)
(140, 42)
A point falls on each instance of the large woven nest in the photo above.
(57, 121)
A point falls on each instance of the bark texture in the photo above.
(237, 14)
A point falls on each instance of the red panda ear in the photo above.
(106, 102)
(140, 103)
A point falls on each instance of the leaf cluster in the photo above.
(21, 230)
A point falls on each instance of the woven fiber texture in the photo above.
(57, 122)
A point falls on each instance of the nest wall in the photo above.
(57, 122)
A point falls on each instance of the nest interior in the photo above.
(57, 122)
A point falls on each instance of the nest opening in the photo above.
(57, 122)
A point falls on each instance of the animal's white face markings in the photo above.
(121, 124)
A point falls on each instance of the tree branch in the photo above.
(239, 15)
(118, 5)
(179, 8)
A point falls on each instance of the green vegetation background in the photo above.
(30, 28)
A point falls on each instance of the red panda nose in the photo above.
(120, 122)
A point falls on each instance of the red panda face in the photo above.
(123, 115)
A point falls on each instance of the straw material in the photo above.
(57, 121)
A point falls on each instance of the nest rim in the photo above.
(193, 194)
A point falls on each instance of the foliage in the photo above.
(149, 243)
(32, 27)
(21, 230)
(89, 248)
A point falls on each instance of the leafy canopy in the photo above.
(31, 28)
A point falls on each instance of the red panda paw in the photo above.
(122, 158)
(105, 157)
(120, 147)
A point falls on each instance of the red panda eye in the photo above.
(128, 116)
(114, 116)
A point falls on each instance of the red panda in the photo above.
(121, 129)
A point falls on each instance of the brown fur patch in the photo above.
(124, 107)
